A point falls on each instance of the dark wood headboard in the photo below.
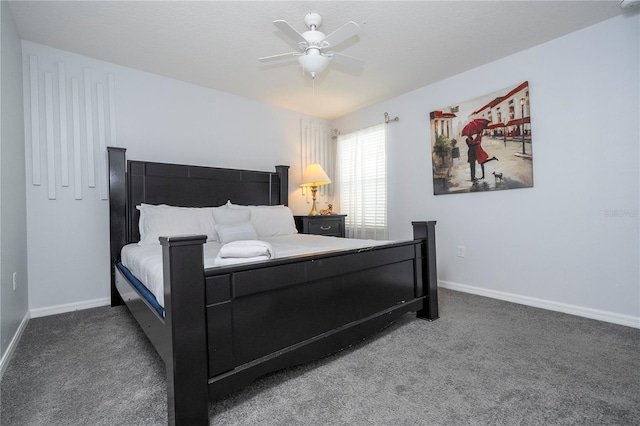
(135, 182)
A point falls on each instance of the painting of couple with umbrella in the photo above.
(496, 153)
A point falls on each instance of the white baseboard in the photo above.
(612, 317)
(4, 362)
(69, 307)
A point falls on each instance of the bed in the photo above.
(223, 327)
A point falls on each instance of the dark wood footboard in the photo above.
(287, 312)
(258, 318)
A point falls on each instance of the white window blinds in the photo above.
(362, 176)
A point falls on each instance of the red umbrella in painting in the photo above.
(476, 125)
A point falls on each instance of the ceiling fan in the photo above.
(314, 56)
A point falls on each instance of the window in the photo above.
(362, 181)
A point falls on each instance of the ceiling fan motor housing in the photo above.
(314, 38)
(312, 20)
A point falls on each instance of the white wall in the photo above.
(570, 243)
(157, 119)
(13, 227)
(552, 245)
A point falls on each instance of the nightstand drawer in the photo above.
(326, 227)
(330, 225)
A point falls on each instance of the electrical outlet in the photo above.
(462, 251)
(14, 280)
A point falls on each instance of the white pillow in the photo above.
(164, 221)
(269, 221)
(227, 216)
(236, 232)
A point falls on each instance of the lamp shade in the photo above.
(314, 175)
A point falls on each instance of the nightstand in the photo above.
(331, 225)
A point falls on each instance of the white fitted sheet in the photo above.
(145, 262)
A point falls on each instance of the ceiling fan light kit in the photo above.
(313, 62)
(313, 56)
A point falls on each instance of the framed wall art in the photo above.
(483, 144)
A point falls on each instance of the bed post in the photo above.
(117, 213)
(283, 173)
(185, 322)
(426, 231)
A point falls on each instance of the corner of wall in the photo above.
(11, 348)
(14, 312)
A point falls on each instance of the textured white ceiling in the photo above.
(406, 44)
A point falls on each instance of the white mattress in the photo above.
(145, 262)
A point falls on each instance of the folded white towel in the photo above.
(224, 261)
(246, 248)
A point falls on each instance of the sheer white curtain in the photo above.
(362, 177)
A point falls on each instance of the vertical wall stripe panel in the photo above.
(71, 115)
(307, 155)
(325, 157)
(102, 152)
(316, 151)
(316, 147)
(51, 159)
(77, 152)
(64, 151)
(302, 151)
(35, 120)
(88, 112)
(112, 111)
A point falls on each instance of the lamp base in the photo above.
(313, 211)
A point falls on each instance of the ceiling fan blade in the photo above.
(346, 60)
(280, 56)
(289, 31)
(346, 31)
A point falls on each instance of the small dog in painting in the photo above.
(497, 176)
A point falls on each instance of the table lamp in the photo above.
(313, 177)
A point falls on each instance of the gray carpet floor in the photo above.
(484, 362)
